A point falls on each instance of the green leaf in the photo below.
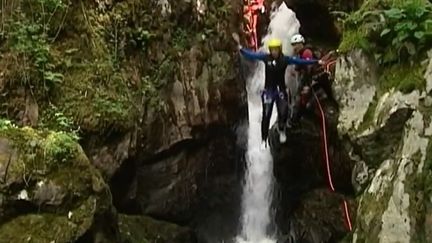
(385, 32)
(411, 25)
(394, 13)
(428, 25)
(370, 13)
(419, 12)
(419, 34)
(402, 36)
(400, 26)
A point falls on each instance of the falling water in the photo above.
(258, 187)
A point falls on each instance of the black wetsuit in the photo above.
(274, 87)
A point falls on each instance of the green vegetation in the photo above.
(403, 77)
(395, 33)
(371, 210)
(78, 81)
(398, 34)
(416, 186)
(51, 147)
(53, 170)
(29, 37)
(53, 118)
(99, 69)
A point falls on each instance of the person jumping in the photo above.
(274, 87)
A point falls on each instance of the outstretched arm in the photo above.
(251, 55)
(299, 61)
(248, 54)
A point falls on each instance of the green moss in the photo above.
(49, 147)
(415, 187)
(53, 155)
(97, 97)
(369, 115)
(143, 229)
(369, 220)
(403, 77)
(46, 227)
(427, 172)
(64, 191)
(352, 39)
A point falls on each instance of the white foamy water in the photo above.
(258, 187)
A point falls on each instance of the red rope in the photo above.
(251, 13)
(347, 218)
(329, 64)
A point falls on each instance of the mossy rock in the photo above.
(47, 227)
(49, 190)
(143, 229)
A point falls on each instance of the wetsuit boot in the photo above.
(282, 109)
(267, 106)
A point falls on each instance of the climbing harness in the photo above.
(327, 160)
(251, 11)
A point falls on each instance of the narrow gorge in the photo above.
(136, 121)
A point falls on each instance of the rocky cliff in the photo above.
(121, 122)
(152, 92)
(385, 122)
(388, 135)
(378, 137)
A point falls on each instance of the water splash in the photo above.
(258, 187)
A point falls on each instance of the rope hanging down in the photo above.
(251, 12)
(327, 161)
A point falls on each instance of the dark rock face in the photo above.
(196, 183)
(307, 210)
(317, 217)
(137, 229)
(318, 21)
(183, 165)
(180, 161)
(110, 153)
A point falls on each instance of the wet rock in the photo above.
(360, 175)
(137, 229)
(49, 194)
(317, 217)
(190, 181)
(109, 154)
(309, 212)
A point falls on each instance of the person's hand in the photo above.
(236, 38)
(321, 62)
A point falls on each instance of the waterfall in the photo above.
(258, 186)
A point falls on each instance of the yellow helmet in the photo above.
(274, 42)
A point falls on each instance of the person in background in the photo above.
(306, 74)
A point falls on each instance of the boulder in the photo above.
(49, 191)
